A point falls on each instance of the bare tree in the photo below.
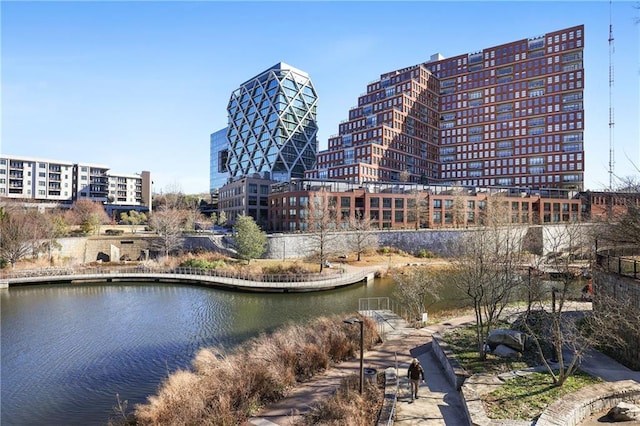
(622, 234)
(89, 215)
(192, 213)
(417, 208)
(51, 226)
(548, 324)
(16, 233)
(416, 290)
(613, 327)
(362, 237)
(533, 287)
(168, 224)
(459, 208)
(170, 198)
(567, 336)
(322, 221)
(485, 268)
(623, 223)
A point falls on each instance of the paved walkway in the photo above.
(438, 404)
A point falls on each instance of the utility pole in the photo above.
(611, 121)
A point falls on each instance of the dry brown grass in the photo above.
(38, 263)
(347, 407)
(226, 388)
(389, 256)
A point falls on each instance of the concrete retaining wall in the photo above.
(454, 371)
(388, 411)
(90, 249)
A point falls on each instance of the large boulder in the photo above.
(511, 338)
(624, 412)
(505, 351)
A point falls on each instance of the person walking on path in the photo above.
(415, 373)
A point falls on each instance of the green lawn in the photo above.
(526, 397)
(521, 398)
(463, 343)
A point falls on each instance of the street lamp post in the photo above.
(353, 321)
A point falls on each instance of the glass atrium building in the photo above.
(219, 152)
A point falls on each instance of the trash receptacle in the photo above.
(370, 375)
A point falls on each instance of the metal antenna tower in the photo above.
(611, 122)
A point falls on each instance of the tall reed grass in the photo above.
(226, 388)
(347, 407)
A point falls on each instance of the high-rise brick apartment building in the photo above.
(392, 133)
(509, 115)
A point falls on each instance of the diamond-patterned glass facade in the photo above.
(272, 125)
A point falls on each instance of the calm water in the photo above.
(66, 351)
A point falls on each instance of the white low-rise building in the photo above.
(64, 182)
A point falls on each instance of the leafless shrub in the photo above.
(347, 406)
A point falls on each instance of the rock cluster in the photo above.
(506, 343)
(624, 412)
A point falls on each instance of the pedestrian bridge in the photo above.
(196, 276)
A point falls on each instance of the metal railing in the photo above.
(622, 261)
(368, 306)
(315, 280)
(373, 304)
(98, 270)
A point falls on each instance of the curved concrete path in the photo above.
(183, 275)
(438, 404)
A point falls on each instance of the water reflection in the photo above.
(68, 350)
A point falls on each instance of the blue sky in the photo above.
(141, 85)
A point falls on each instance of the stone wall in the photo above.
(287, 246)
(618, 287)
(573, 408)
(627, 290)
(291, 246)
(538, 239)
